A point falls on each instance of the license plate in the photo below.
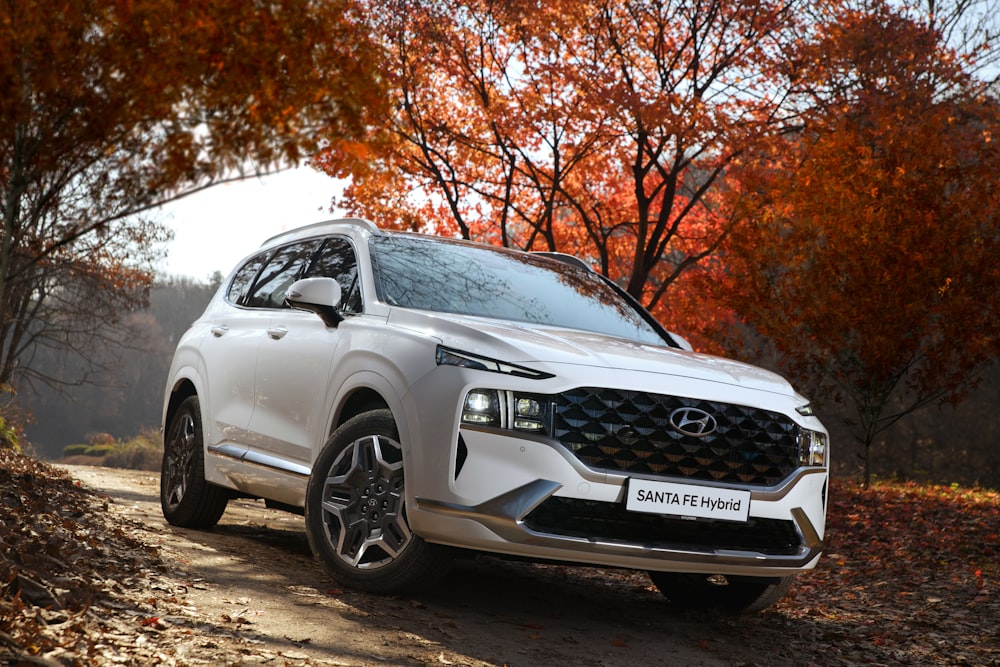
(687, 500)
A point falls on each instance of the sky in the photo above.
(217, 227)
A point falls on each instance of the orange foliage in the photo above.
(111, 108)
(196, 87)
(598, 129)
(867, 253)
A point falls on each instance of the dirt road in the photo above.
(250, 593)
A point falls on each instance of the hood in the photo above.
(546, 348)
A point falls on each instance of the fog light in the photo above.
(482, 406)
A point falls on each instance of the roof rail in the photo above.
(361, 222)
(565, 258)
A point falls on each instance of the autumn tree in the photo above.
(971, 28)
(868, 251)
(110, 109)
(597, 128)
(127, 397)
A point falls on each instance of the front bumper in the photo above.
(530, 497)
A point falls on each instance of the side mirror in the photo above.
(317, 295)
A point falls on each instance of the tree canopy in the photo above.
(825, 170)
(113, 108)
(866, 253)
(598, 128)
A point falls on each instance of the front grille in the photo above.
(630, 432)
(611, 522)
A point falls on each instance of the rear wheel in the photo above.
(356, 511)
(731, 593)
(186, 498)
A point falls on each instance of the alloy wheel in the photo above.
(363, 511)
(179, 458)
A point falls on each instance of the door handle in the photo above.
(219, 330)
(276, 333)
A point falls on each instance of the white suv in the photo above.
(412, 395)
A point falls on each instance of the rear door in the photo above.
(230, 353)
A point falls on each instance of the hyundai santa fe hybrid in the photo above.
(419, 398)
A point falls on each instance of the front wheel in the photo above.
(186, 498)
(355, 511)
(730, 593)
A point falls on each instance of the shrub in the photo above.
(10, 438)
(12, 421)
(142, 452)
(96, 439)
(78, 449)
(100, 450)
(134, 456)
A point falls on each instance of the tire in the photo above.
(186, 499)
(733, 594)
(355, 512)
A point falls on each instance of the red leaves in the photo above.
(575, 133)
(897, 530)
(863, 253)
(907, 575)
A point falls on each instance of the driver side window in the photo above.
(336, 259)
(284, 268)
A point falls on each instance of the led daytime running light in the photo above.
(449, 357)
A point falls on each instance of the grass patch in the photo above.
(141, 452)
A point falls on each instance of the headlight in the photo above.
(812, 448)
(506, 409)
(492, 407)
(482, 407)
(529, 413)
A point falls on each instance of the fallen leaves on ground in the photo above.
(77, 588)
(910, 576)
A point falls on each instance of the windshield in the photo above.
(452, 277)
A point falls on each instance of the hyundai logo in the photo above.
(692, 421)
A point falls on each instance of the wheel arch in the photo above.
(358, 529)
(360, 400)
(183, 390)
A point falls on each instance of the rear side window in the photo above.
(244, 279)
(281, 271)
